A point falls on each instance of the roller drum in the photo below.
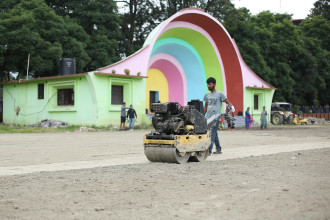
(165, 154)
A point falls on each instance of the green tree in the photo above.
(138, 18)
(224, 11)
(100, 21)
(321, 8)
(317, 27)
(31, 27)
(289, 57)
(306, 73)
(170, 7)
(8, 5)
(252, 40)
(273, 47)
(219, 9)
(315, 31)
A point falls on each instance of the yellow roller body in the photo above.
(178, 150)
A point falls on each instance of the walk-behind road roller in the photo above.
(180, 133)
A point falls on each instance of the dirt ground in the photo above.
(281, 173)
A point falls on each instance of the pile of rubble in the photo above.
(313, 120)
(49, 123)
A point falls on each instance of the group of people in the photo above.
(130, 116)
(249, 119)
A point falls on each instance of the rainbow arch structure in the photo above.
(184, 51)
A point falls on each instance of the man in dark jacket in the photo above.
(130, 116)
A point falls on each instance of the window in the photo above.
(286, 107)
(62, 96)
(120, 90)
(154, 97)
(117, 95)
(65, 96)
(256, 103)
(41, 91)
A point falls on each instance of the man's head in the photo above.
(211, 82)
(131, 106)
(264, 108)
(124, 104)
(248, 108)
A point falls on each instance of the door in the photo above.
(154, 98)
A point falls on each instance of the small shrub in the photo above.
(139, 73)
(113, 71)
(127, 71)
(295, 109)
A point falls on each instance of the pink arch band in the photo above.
(173, 71)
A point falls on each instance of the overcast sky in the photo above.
(299, 8)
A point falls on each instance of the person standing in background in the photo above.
(230, 110)
(130, 116)
(263, 118)
(123, 116)
(247, 118)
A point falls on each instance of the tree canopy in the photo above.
(100, 21)
(31, 27)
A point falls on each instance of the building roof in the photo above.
(65, 76)
(41, 78)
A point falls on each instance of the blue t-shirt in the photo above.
(214, 102)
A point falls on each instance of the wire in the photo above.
(31, 113)
(11, 96)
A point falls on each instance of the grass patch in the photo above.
(5, 129)
(144, 127)
(22, 129)
(326, 124)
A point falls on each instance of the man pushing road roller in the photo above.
(181, 131)
(213, 105)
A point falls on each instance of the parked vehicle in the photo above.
(281, 113)
(299, 120)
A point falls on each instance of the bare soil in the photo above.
(281, 173)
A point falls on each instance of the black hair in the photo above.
(211, 80)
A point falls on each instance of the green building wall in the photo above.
(92, 100)
(134, 93)
(265, 97)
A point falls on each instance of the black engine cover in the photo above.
(170, 119)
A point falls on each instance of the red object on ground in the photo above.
(251, 120)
